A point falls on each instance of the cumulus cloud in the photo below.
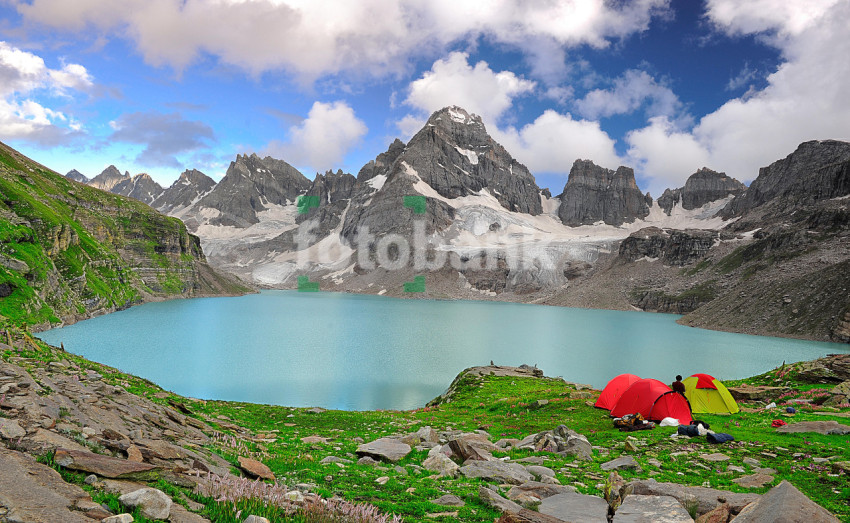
(804, 99)
(322, 140)
(631, 91)
(313, 39)
(478, 89)
(553, 141)
(164, 136)
(23, 76)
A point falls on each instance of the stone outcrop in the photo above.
(703, 498)
(250, 185)
(186, 190)
(140, 187)
(784, 503)
(596, 194)
(672, 247)
(702, 187)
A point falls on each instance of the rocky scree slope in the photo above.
(68, 251)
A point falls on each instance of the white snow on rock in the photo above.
(377, 182)
(472, 156)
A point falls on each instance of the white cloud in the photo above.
(322, 140)
(631, 91)
(23, 76)
(553, 141)
(805, 98)
(164, 136)
(315, 38)
(478, 89)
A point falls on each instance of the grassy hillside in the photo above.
(68, 250)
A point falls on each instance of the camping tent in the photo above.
(708, 394)
(654, 401)
(615, 388)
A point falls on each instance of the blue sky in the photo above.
(665, 87)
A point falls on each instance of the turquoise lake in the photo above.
(357, 352)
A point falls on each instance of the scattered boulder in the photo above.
(384, 449)
(103, 466)
(575, 507)
(540, 471)
(9, 429)
(492, 499)
(255, 519)
(753, 480)
(464, 451)
(821, 427)
(706, 499)
(623, 462)
(655, 509)
(449, 500)
(715, 457)
(562, 441)
(748, 392)
(503, 472)
(785, 504)
(428, 435)
(153, 503)
(255, 469)
(120, 518)
(720, 514)
(440, 463)
(539, 490)
(830, 369)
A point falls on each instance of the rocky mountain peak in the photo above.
(594, 194)
(816, 170)
(250, 185)
(77, 176)
(702, 187)
(186, 190)
(141, 187)
(383, 163)
(109, 178)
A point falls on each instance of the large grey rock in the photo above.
(561, 440)
(449, 500)
(442, 464)
(103, 466)
(821, 427)
(500, 471)
(753, 480)
(594, 194)
(140, 187)
(785, 504)
(191, 185)
(539, 490)
(153, 503)
(384, 449)
(118, 518)
(705, 499)
(492, 498)
(651, 509)
(575, 508)
(702, 187)
(623, 462)
(10, 429)
(36, 493)
(255, 469)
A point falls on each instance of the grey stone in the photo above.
(493, 499)
(623, 462)
(255, 519)
(385, 449)
(753, 480)
(539, 490)
(118, 518)
(10, 429)
(500, 471)
(594, 194)
(821, 427)
(540, 471)
(705, 499)
(334, 459)
(575, 508)
(785, 504)
(153, 503)
(651, 509)
(449, 500)
(702, 187)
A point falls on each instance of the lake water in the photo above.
(357, 352)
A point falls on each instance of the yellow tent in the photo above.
(707, 394)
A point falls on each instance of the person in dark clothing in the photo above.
(678, 386)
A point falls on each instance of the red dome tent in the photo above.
(615, 388)
(654, 401)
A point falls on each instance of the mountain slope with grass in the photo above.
(69, 251)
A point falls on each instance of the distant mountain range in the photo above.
(454, 206)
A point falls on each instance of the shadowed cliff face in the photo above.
(594, 194)
(68, 251)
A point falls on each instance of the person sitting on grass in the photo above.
(678, 386)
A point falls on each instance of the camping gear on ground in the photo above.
(771, 405)
(707, 394)
(719, 437)
(790, 410)
(654, 400)
(614, 389)
(669, 422)
(631, 422)
(777, 423)
(688, 430)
